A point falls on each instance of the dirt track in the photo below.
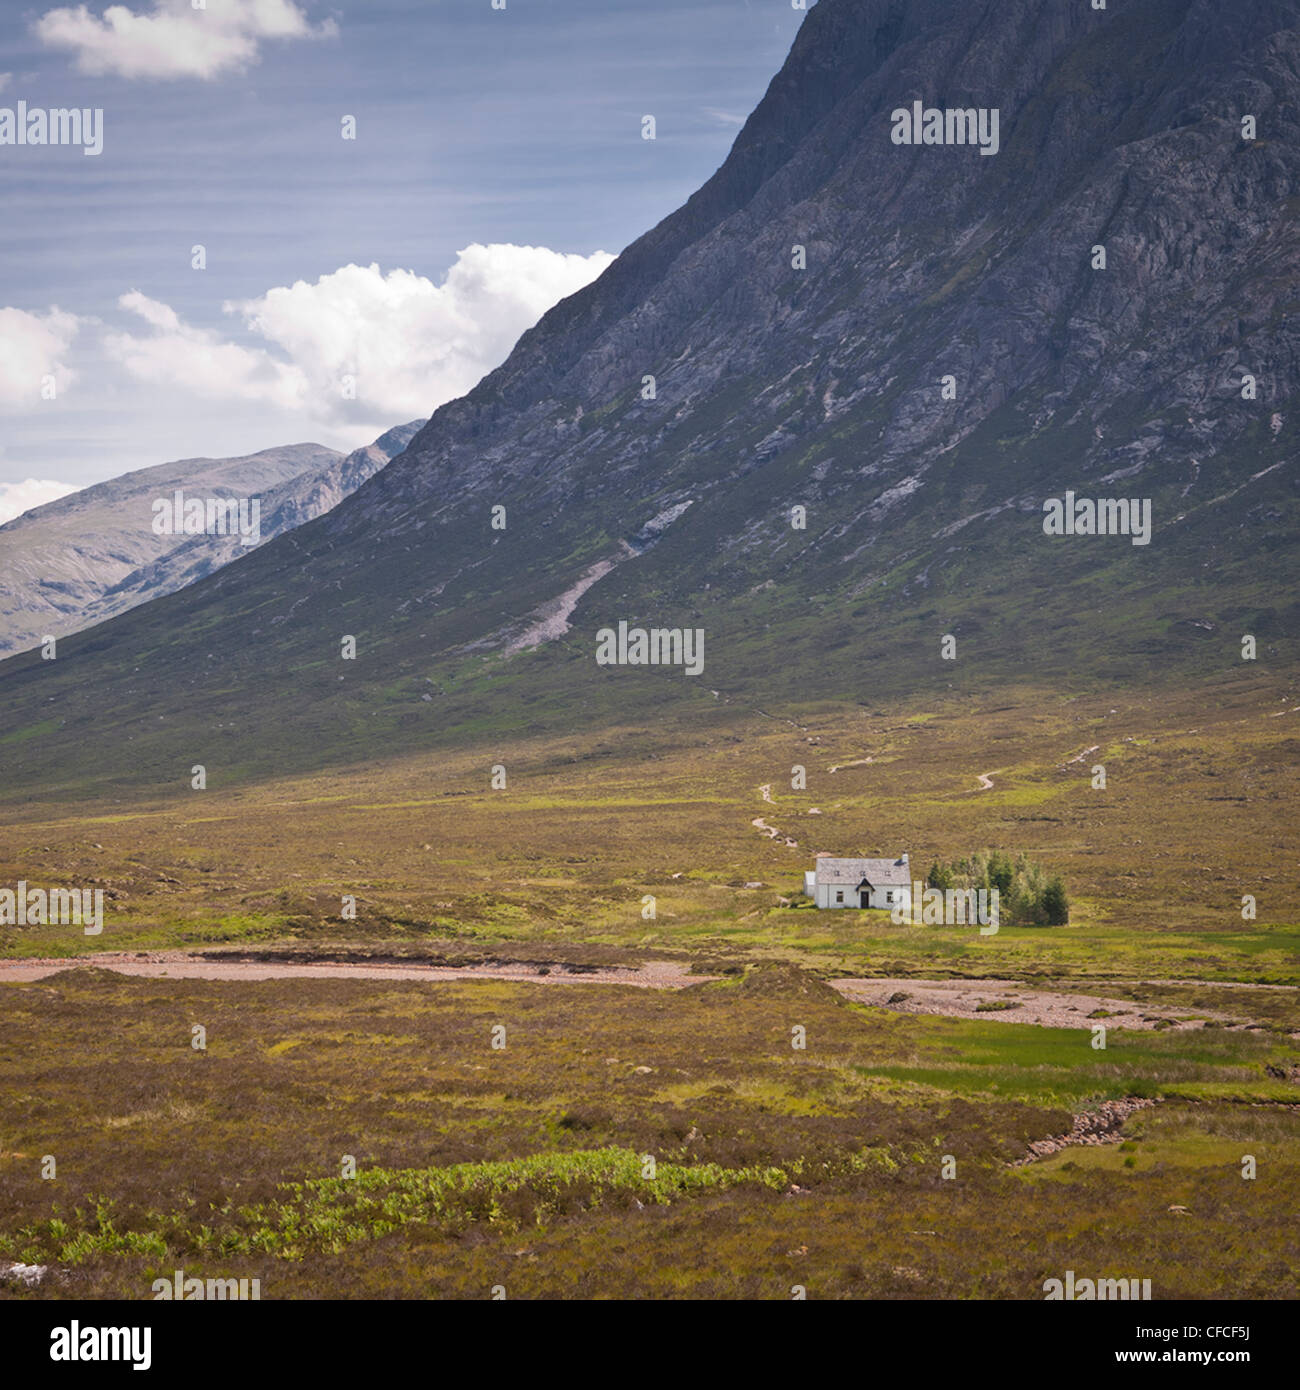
(178, 965)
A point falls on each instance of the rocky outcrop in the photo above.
(1099, 1126)
(26, 1276)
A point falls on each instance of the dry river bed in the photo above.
(1010, 1001)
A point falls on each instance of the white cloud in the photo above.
(411, 345)
(32, 347)
(174, 39)
(5, 79)
(192, 360)
(17, 498)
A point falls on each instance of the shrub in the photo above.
(1056, 906)
(939, 876)
(1027, 896)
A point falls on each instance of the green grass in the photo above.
(1060, 1066)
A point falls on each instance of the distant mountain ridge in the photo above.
(917, 345)
(86, 557)
(284, 508)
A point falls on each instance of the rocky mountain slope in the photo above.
(916, 344)
(89, 556)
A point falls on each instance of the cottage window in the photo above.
(839, 897)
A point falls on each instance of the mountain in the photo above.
(93, 554)
(285, 507)
(948, 359)
(58, 559)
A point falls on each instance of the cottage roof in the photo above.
(880, 873)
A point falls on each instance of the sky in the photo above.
(344, 285)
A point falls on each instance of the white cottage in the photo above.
(881, 883)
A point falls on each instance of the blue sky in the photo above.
(222, 128)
